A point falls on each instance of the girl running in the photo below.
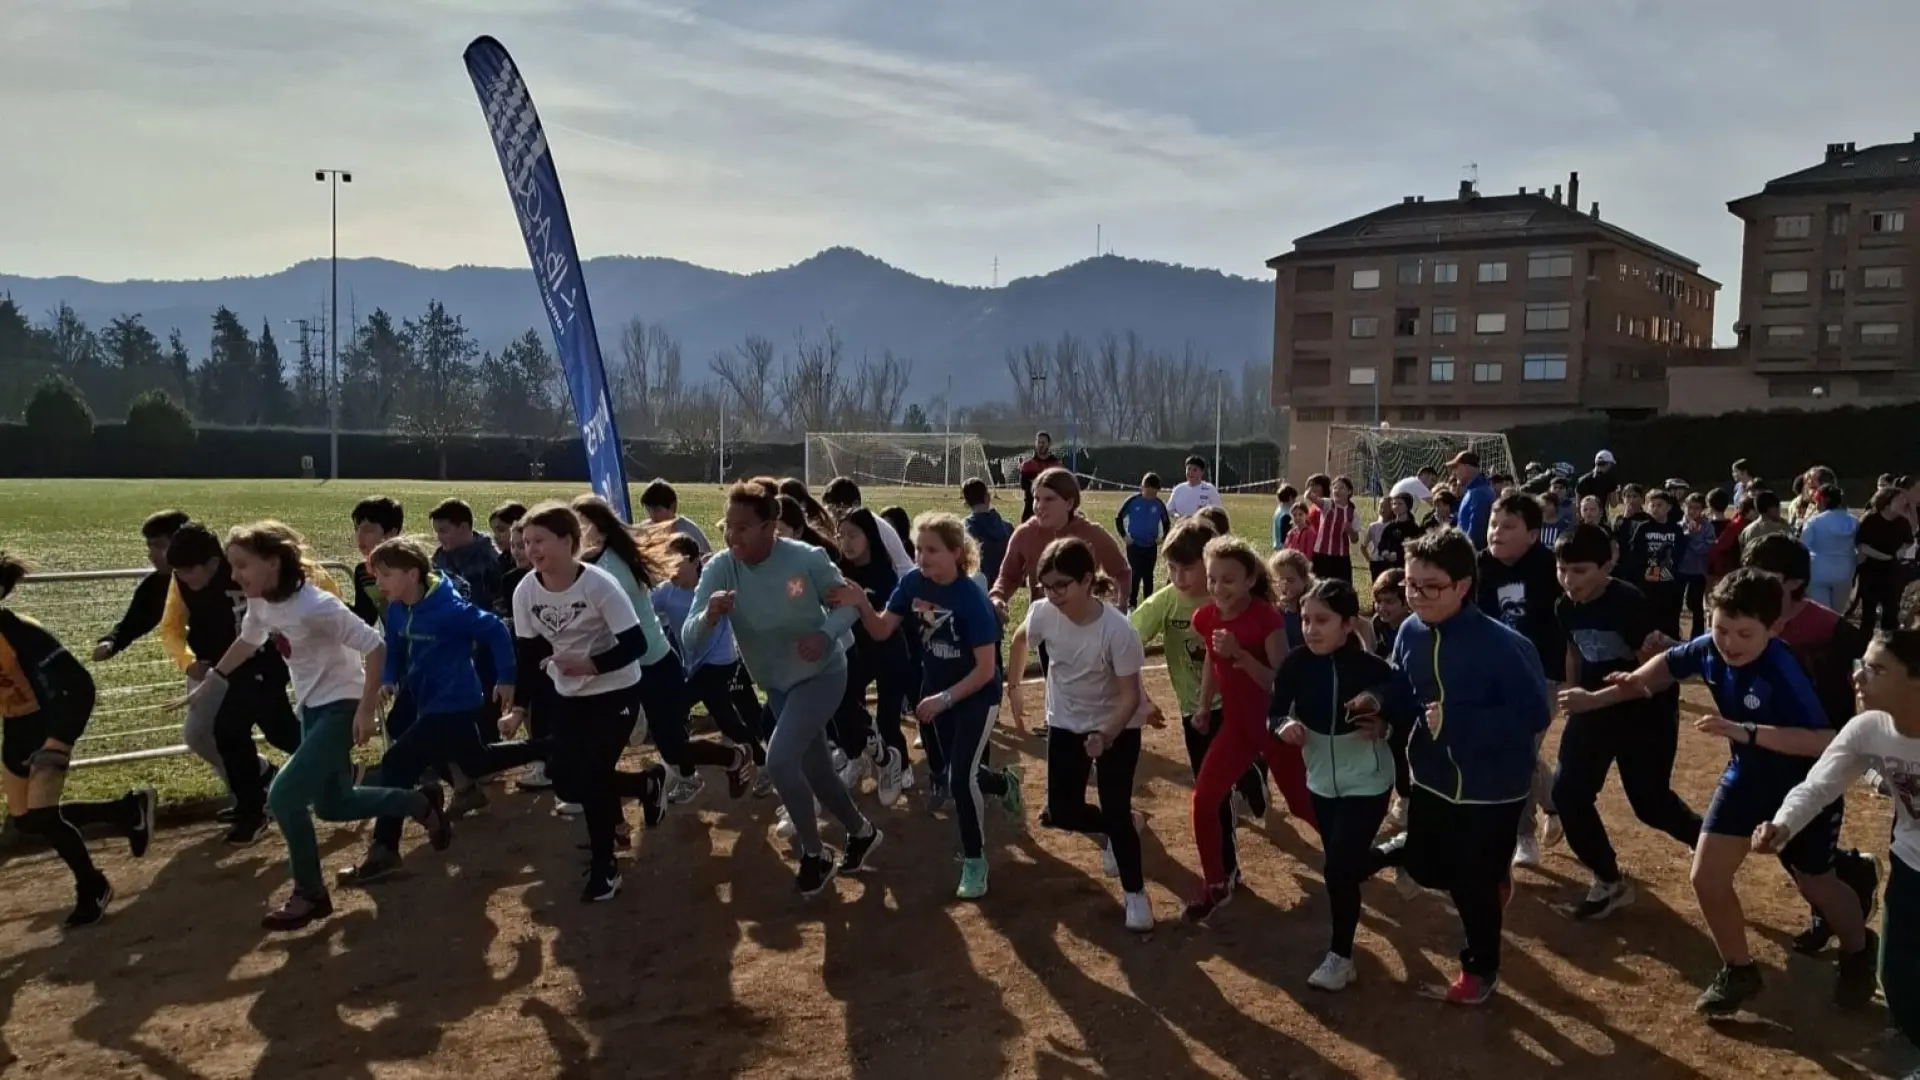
(774, 593)
(573, 622)
(713, 673)
(1245, 641)
(940, 602)
(46, 699)
(336, 661)
(1093, 707)
(1350, 769)
(874, 659)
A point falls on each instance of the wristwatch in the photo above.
(1752, 729)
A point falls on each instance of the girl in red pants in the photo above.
(1245, 642)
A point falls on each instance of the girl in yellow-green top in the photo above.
(1168, 616)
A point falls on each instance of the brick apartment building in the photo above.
(1478, 313)
(1829, 287)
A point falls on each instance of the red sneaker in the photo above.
(1469, 990)
(1211, 899)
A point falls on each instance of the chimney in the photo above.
(1542, 192)
(1573, 191)
(1466, 190)
(1595, 212)
(1850, 150)
(1419, 198)
(1834, 150)
(1406, 200)
(1523, 189)
(1556, 193)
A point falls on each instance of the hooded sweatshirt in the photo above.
(990, 534)
(1493, 702)
(430, 649)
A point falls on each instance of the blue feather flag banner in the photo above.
(542, 211)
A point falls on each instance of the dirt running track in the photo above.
(483, 963)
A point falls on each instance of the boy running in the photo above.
(376, 520)
(150, 596)
(990, 531)
(1517, 586)
(662, 506)
(1143, 522)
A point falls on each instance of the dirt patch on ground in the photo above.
(483, 963)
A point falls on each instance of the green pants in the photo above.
(318, 781)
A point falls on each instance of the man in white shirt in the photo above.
(1193, 494)
(1418, 486)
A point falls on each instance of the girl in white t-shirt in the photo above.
(574, 625)
(1093, 709)
(336, 661)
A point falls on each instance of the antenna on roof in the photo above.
(996, 271)
(1472, 169)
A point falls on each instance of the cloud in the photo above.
(178, 139)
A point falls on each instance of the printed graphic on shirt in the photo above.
(1659, 554)
(796, 587)
(557, 617)
(1513, 604)
(1603, 647)
(937, 631)
(1903, 779)
(1180, 634)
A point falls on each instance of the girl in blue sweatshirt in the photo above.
(774, 593)
(714, 675)
(1349, 766)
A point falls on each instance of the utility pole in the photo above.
(333, 178)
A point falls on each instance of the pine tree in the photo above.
(180, 369)
(442, 403)
(309, 385)
(276, 401)
(229, 384)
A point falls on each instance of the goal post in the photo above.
(896, 458)
(1376, 458)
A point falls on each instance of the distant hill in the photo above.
(945, 329)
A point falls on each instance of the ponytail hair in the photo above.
(1070, 557)
(648, 561)
(794, 516)
(13, 570)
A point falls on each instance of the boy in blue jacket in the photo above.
(1481, 698)
(989, 530)
(433, 634)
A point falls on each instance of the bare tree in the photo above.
(808, 387)
(870, 399)
(747, 372)
(633, 373)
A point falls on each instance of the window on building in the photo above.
(1550, 316)
(1490, 322)
(1406, 322)
(1837, 280)
(1366, 279)
(1406, 370)
(1362, 376)
(1879, 333)
(1410, 271)
(1440, 369)
(1413, 412)
(1623, 271)
(1550, 264)
(1838, 217)
(1446, 272)
(1887, 221)
(1360, 414)
(1316, 372)
(1446, 412)
(1486, 371)
(1312, 279)
(1544, 367)
(1786, 334)
(1363, 326)
(1446, 320)
(1792, 226)
(1314, 414)
(1787, 281)
(1881, 277)
(1313, 326)
(1491, 272)
(1619, 323)
(1835, 333)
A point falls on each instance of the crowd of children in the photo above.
(1407, 735)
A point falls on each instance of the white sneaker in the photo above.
(1139, 911)
(783, 827)
(906, 777)
(1526, 852)
(1333, 975)
(893, 779)
(534, 776)
(1551, 832)
(682, 788)
(1109, 865)
(839, 760)
(568, 809)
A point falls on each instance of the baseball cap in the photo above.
(1604, 457)
(1465, 457)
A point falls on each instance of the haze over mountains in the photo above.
(946, 329)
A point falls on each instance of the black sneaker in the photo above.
(602, 885)
(379, 862)
(816, 871)
(1730, 989)
(468, 800)
(227, 814)
(146, 806)
(246, 831)
(740, 775)
(860, 849)
(1814, 938)
(1602, 900)
(435, 819)
(1858, 975)
(91, 904)
(653, 805)
(1861, 872)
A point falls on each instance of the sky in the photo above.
(178, 138)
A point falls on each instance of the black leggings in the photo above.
(715, 687)
(1693, 591)
(1880, 597)
(1068, 768)
(1347, 828)
(590, 733)
(252, 700)
(664, 695)
(1640, 737)
(886, 665)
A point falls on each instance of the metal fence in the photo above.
(130, 720)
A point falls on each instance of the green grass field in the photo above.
(94, 525)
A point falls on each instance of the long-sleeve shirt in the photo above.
(175, 639)
(777, 601)
(1869, 741)
(143, 613)
(326, 640)
(1022, 564)
(642, 600)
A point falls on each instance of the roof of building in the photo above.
(1883, 166)
(1472, 217)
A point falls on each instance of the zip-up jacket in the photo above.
(1476, 509)
(990, 534)
(37, 673)
(478, 565)
(1493, 703)
(1314, 690)
(430, 649)
(202, 624)
(143, 612)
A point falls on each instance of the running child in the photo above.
(376, 520)
(713, 672)
(150, 595)
(1517, 586)
(1093, 711)
(1350, 771)
(1657, 546)
(335, 661)
(46, 699)
(875, 745)
(1284, 500)
(662, 506)
(990, 531)
(469, 556)
(1143, 522)
(1769, 714)
(500, 523)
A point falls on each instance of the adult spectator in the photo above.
(1030, 470)
(1882, 535)
(1418, 486)
(1476, 497)
(1743, 478)
(1600, 483)
(1193, 494)
(1829, 536)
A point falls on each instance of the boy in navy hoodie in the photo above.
(989, 530)
(1481, 697)
(432, 635)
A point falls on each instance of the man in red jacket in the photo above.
(1040, 462)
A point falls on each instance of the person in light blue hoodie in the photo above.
(1829, 538)
(774, 593)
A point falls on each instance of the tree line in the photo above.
(426, 377)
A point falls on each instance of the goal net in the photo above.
(1376, 458)
(896, 458)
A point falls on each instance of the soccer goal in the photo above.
(1376, 458)
(896, 458)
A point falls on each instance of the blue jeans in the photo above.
(318, 781)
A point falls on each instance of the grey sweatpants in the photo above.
(798, 758)
(197, 728)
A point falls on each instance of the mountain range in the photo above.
(947, 330)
